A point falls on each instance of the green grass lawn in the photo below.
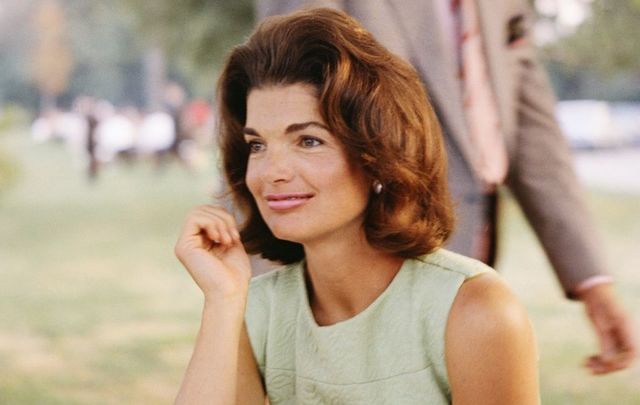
(94, 309)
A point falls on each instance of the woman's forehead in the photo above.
(282, 105)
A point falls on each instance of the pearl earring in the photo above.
(377, 187)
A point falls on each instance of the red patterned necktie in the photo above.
(481, 112)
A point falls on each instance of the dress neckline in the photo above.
(365, 313)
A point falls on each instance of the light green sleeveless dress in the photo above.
(390, 353)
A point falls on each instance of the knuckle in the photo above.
(178, 250)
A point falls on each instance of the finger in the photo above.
(608, 344)
(625, 337)
(218, 232)
(616, 345)
(599, 366)
(621, 357)
(200, 231)
(230, 228)
(617, 341)
(223, 215)
(216, 222)
(223, 223)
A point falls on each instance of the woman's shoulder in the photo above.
(453, 263)
(490, 340)
(434, 280)
(486, 307)
(487, 302)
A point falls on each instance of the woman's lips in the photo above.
(286, 201)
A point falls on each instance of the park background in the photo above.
(94, 308)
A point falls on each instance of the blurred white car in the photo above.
(156, 133)
(114, 135)
(627, 118)
(589, 124)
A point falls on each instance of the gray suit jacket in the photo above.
(541, 175)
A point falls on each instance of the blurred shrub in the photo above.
(13, 115)
(8, 171)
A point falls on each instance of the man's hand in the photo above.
(617, 345)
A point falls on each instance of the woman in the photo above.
(334, 156)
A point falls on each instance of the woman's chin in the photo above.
(288, 234)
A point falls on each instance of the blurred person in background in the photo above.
(174, 99)
(86, 106)
(198, 125)
(497, 110)
(336, 159)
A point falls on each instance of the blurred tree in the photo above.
(8, 171)
(601, 59)
(607, 40)
(102, 38)
(194, 35)
(108, 52)
(15, 80)
(51, 59)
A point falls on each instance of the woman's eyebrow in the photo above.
(250, 131)
(303, 125)
(291, 128)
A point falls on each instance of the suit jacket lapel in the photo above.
(438, 66)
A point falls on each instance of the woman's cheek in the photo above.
(252, 178)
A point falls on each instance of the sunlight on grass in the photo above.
(94, 308)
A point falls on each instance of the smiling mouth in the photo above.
(281, 202)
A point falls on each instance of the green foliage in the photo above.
(12, 116)
(15, 38)
(103, 41)
(195, 34)
(109, 51)
(8, 171)
(607, 41)
(601, 60)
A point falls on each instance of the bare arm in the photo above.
(210, 249)
(490, 348)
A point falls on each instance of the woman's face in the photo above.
(298, 172)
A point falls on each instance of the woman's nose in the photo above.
(277, 165)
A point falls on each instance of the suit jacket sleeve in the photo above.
(544, 182)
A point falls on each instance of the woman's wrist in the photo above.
(232, 304)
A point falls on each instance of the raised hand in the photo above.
(209, 247)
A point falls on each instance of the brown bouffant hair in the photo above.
(372, 101)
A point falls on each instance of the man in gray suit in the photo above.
(538, 168)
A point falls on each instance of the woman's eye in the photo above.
(255, 146)
(310, 142)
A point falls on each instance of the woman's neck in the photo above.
(344, 276)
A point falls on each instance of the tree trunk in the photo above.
(155, 75)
